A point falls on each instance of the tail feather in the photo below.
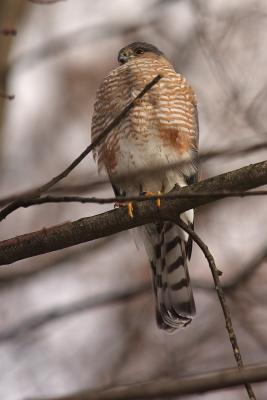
(166, 245)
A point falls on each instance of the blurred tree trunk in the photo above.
(11, 12)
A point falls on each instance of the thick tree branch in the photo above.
(90, 228)
(173, 388)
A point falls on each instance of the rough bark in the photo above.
(108, 223)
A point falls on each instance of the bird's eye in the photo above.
(139, 51)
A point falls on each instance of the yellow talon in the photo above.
(158, 200)
(130, 209)
(124, 204)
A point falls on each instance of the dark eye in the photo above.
(139, 51)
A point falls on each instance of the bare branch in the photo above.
(173, 388)
(221, 296)
(102, 225)
(247, 272)
(204, 156)
(107, 200)
(44, 188)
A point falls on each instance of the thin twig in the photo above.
(172, 388)
(220, 293)
(44, 188)
(204, 156)
(98, 200)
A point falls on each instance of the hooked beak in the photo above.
(122, 58)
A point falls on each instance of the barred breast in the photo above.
(152, 149)
(159, 132)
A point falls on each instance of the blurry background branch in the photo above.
(8, 31)
(85, 184)
(54, 260)
(84, 305)
(37, 321)
(244, 275)
(81, 36)
(248, 270)
(173, 388)
(11, 13)
(74, 308)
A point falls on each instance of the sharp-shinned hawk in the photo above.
(153, 149)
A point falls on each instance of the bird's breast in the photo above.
(157, 132)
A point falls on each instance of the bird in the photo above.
(153, 149)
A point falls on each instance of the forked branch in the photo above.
(220, 293)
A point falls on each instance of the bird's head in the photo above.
(137, 49)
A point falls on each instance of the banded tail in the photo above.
(168, 248)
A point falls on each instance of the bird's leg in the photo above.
(130, 209)
(158, 199)
(127, 204)
(154, 194)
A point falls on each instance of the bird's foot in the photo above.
(127, 204)
(154, 194)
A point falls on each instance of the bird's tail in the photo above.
(169, 248)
